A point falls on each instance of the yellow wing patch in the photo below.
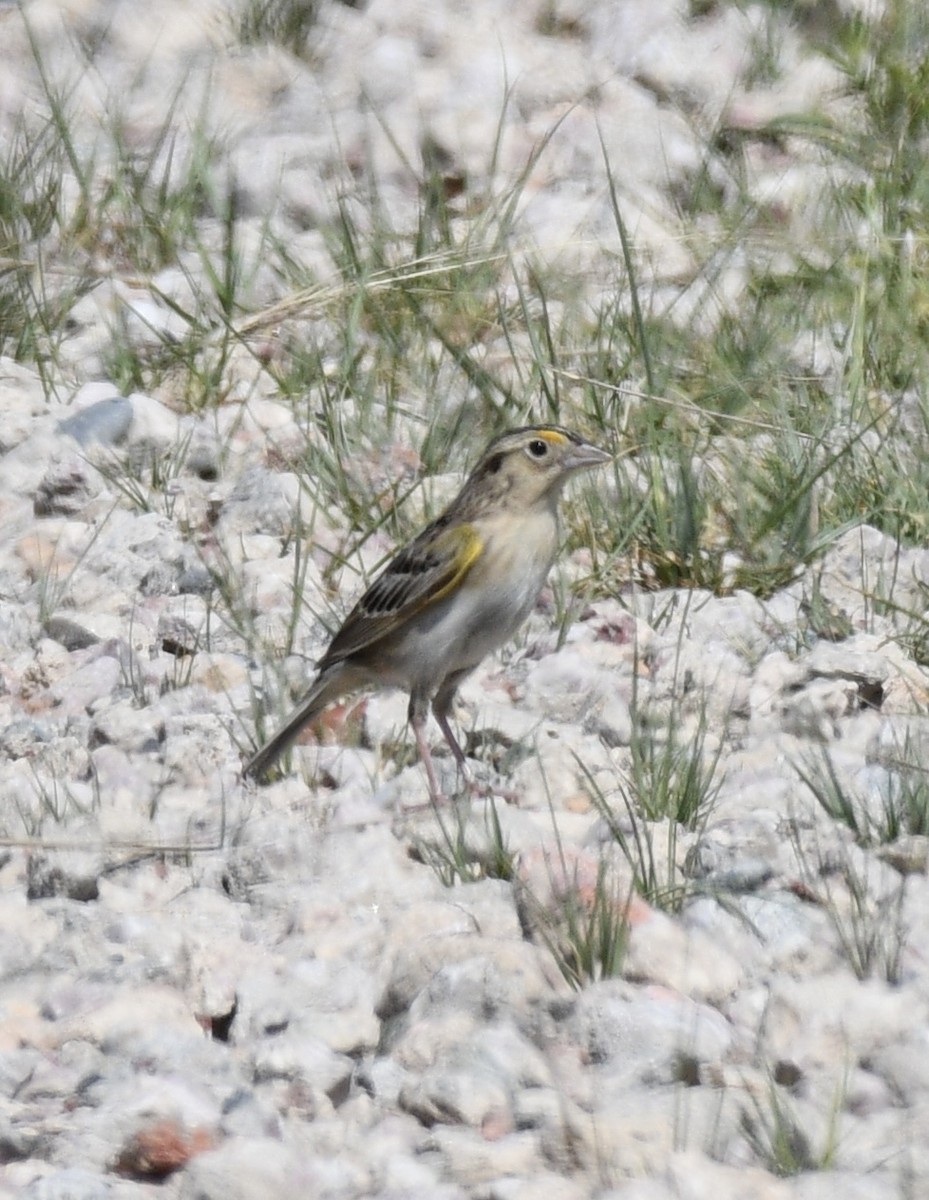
(420, 575)
(464, 555)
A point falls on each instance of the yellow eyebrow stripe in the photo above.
(553, 436)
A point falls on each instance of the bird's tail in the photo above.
(328, 686)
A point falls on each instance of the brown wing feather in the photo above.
(422, 573)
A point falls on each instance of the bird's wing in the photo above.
(422, 573)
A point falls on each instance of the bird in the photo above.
(454, 594)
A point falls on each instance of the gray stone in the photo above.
(70, 1184)
(106, 422)
(645, 1035)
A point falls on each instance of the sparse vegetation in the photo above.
(586, 930)
(764, 397)
(775, 1129)
(667, 788)
(743, 468)
(461, 851)
(895, 804)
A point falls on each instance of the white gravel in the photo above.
(216, 990)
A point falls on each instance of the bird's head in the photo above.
(523, 466)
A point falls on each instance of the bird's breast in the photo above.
(483, 611)
(502, 587)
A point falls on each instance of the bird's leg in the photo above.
(441, 707)
(457, 752)
(418, 713)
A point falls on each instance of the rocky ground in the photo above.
(320, 987)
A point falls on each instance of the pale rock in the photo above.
(27, 932)
(307, 1061)
(22, 400)
(774, 676)
(155, 429)
(262, 501)
(814, 1022)
(222, 673)
(899, 741)
(91, 679)
(147, 320)
(67, 1183)
(541, 1185)
(128, 727)
(691, 1174)
(475, 973)
(875, 1184)
(868, 1093)
(120, 1019)
(646, 1035)
(633, 1131)
(812, 81)
(456, 1095)
(795, 936)
(661, 951)
(738, 854)
(477, 1160)
(561, 768)
(243, 1168)
(858, 563)
(269, 582)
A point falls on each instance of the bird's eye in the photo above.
(537, 448)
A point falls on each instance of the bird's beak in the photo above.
(585, 455)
